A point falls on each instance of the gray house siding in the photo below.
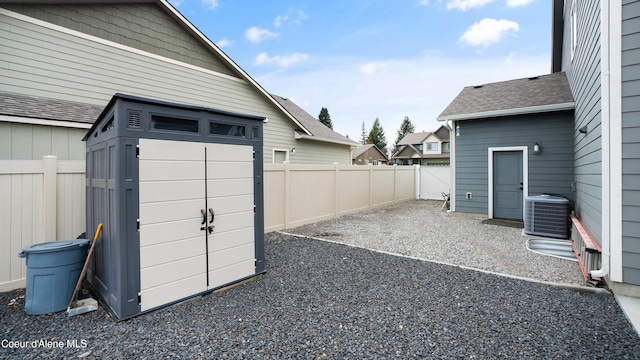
(38, 60)
(550, 171)
(32, 142)
(143, 26)
(583, 74)
(631, 142)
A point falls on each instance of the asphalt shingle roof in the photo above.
(315, 127)
(543, 90)
(37, 107)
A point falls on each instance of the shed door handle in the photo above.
(204, 216)
(212, 215)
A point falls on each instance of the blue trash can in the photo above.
(53, 269)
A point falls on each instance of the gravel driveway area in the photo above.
(421, 229)
(322, 299)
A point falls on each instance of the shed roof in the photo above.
(520, 96)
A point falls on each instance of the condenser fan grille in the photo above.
(547, 216)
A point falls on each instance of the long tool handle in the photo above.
(86, 264)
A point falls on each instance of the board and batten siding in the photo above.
(550, 171)
(583, 73)
(143, 26)
(32, 142)
(631, 141)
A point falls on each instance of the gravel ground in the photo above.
(327, 300)
(421, 229)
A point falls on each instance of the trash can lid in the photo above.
(53, 246)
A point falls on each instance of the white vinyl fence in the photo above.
(40, 200)
(434, 180)
(44, 200)
(297, 194)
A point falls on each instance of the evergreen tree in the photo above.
(405, 128)
(325, 118)
(376, 136)
(363, 134)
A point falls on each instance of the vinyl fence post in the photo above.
(287, 194)
(417, 180)
(50, 199)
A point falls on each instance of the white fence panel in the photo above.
(434, 180)
(44, 200)
(40, 200)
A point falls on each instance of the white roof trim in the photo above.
(506, 112)
(216, 49)
(298, 136)
(177, 16)
(46, 122)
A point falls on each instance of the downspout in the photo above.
(452, 165)
(611, 133)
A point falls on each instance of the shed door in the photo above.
(230, 197)
(185, 248)
(507, 185)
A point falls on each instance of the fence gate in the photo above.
(434, 180)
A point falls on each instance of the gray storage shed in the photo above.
(179, 189)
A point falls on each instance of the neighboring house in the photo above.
(596, 51)
(334, 143)
(62, 63)
(423, 148)
(368, 154)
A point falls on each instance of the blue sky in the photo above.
(368, 59)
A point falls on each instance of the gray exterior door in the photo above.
(507, 185)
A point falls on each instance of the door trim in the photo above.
(525, 175)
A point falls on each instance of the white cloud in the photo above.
(211, 4)
(517, 3)
(488, 31)
(280, 19)
(255, 34)
(175, 3)
(371, 68)
(281, 61)
(465, 5)
(294, 15)
(224, 43)
(420, 88)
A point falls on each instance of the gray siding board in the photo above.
(583, 73)
(631, 142)
(36, 60)
(131, 25)
(631, 275)
(549, 172)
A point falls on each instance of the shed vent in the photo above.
(547, 216)
(133, 119)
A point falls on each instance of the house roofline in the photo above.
(46, 122)
(299, 136)
(508, 112)
(172, 11)
(235, 66)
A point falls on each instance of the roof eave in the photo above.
(299, 136)
(46, 122)
(509, 112)
(232, 63)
